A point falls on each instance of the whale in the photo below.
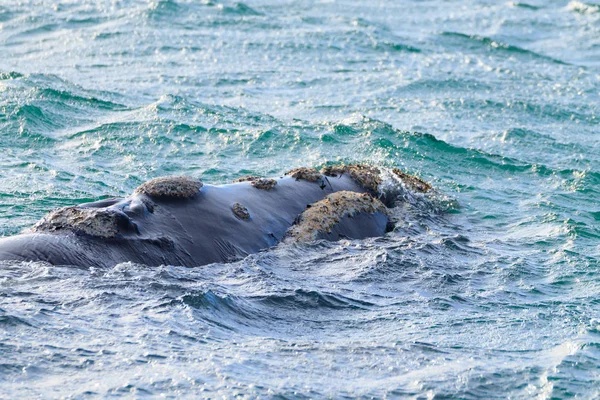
(179, 220)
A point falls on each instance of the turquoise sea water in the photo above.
(488, 289)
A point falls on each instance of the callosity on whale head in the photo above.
(181, 221)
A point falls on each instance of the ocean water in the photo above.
(490, 288)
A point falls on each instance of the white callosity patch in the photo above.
(303, 173)
(248, 178)
(240, 211)
(325, 214)
(170, 186)
(388, 184)
(412, 182)
(258, 182)
(92, 221)
(367, 176)
(264, 183)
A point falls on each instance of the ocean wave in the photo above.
(311, 299)
(238, 8)
(526, 6)
(583, 8)
(478, 42)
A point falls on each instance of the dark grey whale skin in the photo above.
(193, 231)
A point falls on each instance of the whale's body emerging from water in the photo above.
(180, 221)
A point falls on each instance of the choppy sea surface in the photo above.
(488, 289)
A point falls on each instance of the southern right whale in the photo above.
(181, 221)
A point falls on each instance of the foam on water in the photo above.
(487, 287)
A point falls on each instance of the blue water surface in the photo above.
(490, 288)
